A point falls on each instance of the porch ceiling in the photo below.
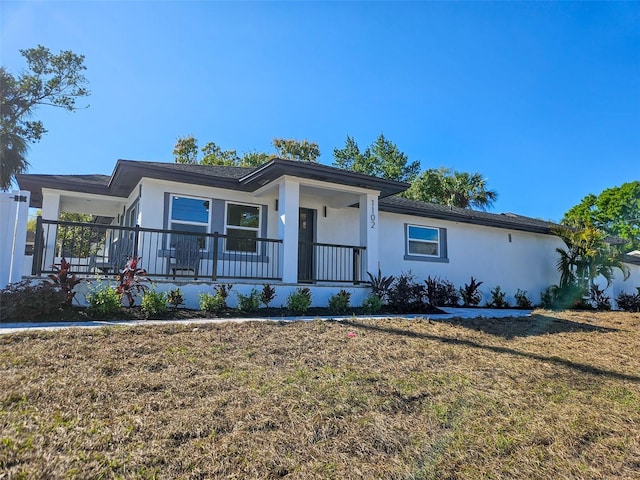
(92, 204)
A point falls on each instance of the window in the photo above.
(426, 244)
(189, 214)
(423, 241)
(242, 227)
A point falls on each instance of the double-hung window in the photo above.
(242, 226)
(423, 241)
(189, 214)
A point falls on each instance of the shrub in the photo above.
(65, 280)
(299, 301)
(470, 294)
(372, 304)
(405, 295)
(522, 301)
(132, 281)
(339, 303)
(561, 298)
(215, 302)
(249, 303)
(497, 298)
(103, 300)
(26, 300)
(153, 303)
(441, 293)
(267, 295)
(629, 302)
(380, 285)
(212, 302)
(599, 299)
(175, 298)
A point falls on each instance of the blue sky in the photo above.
(541, 98)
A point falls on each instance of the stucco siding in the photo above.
(498, 257)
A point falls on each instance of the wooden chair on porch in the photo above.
(185, 255)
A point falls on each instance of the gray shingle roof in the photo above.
(397, 204)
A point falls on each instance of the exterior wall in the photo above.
(620, 285)
(510, 259)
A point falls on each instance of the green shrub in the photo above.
(497, 298)
(372, 304)
(522, 301)
(570, 296)
(339, 303)
(299, 301)
(26, 300)
(153, 303)
(103, 300)
(175, 298)
(249, 303)
(212, 302)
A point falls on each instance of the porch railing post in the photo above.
(136, 234)
(214, 269)
(356, 262)
(38, 247)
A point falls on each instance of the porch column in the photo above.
(369, 228)
(288, 212)
(50, 211)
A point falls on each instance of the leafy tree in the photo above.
(453, 188)
(616, 211)
(382, 159)
(51, 80)
(186, 151)
(78, 241)
(214, 155)
(302, 151)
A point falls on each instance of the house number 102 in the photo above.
(372, 217)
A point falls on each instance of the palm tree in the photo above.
(587, 256)
(13, 149)
(452, 188)
(468, 190)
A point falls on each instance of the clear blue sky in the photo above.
(541, 98)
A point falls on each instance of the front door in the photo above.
(306, 236)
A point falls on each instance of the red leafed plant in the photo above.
(64, 279)
(132, 281)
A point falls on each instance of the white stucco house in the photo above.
(284, 223)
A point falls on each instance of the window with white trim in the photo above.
(242, 226)
(190, 214)
(423, 241)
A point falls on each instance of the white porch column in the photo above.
(50, 211)
(369, 228)
(288, 213)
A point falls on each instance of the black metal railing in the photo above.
(100, 249)
(326, 262)
(93, 249)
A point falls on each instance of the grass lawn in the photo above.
(552, 396)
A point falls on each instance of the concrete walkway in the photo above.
(6, 328)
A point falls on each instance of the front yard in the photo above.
(555, 395)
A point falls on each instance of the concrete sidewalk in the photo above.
(6, 328)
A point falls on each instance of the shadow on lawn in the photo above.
(581, 367)
(511, 327)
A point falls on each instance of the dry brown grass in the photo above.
(556, 395)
